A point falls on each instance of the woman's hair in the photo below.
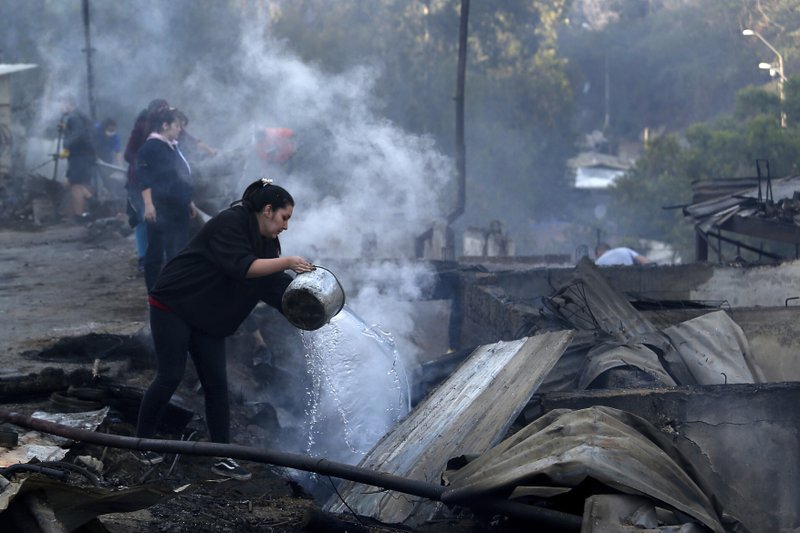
(153, 107)
(157, 105)
(262, 192)
(157, 118)
(258, 194)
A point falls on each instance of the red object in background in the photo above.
(275, 145)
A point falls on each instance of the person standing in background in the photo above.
(139, 133)
(166, 183)
(107, 143)
(108, 147)
(80, 155)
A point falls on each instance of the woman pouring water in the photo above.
(202, 296)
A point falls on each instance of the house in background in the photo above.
(596, 171)
(598, 165)
(6, 138)
(593, 174)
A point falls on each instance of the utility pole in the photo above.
(461, 155)
(607, 94)
(89, 51)
(448, 250)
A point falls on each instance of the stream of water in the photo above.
(359, 388)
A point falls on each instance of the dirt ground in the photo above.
(66, 280)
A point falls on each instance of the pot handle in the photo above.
(339, 283)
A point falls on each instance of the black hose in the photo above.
(14, 469)
(554, 520)
(74, 468)
(50, 468)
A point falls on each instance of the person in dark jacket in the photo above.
(138, 135)
(204, 294)
(80, 154)
(165, 179)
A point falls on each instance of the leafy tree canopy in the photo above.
(726, 148)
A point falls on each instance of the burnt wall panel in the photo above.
(654, 282)
(487, 318)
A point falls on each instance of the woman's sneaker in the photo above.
(147, 457)
(230, 468)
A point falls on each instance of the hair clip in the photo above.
(265, 182)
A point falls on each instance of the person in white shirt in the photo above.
(607, 256)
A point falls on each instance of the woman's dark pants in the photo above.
(165, 238)
(173, 338)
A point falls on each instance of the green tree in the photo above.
(753, 101)
(792, 104)
(667, 64)
(726, 148)
(658, 180)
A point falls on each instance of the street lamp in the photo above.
(771, 68)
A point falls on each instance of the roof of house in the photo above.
(8, 68)
(596, 159)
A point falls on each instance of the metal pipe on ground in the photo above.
(555, 520)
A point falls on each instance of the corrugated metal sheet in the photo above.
(588, 302)
(606, 356)
(715, 350)
(467, 414)
(564, 448)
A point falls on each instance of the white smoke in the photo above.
(359, 178)
(362, 175)
(374, 181)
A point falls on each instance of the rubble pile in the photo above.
(577, 411)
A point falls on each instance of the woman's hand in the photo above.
(299, 265)
(149, 208)
(265, 267)
(150, 213)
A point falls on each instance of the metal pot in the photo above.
(313, 298)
